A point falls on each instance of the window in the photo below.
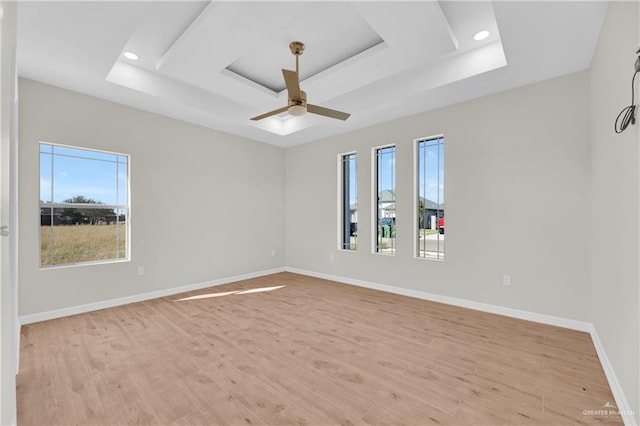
(84, 206)
(385, 194)
(349, 202)
(430, 198)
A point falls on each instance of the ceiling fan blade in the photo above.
(270, 113)
(332, 113)
(293, 85)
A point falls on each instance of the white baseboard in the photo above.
(614, 384)
(621, 401)
(463, 303)
(73, 310)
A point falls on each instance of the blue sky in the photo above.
(103, 176)
(387, 169)
(430, 167)
(353, 180)
(92, 174)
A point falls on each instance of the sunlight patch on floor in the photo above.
(229, 293)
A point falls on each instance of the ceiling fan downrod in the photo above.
(297, 47)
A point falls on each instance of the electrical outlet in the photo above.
(273, 253)
(506, 279)
(140, 270)
(331, 258)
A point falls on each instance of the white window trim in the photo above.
(129, 209)
(374, 198)
(416, 205)
(340, 199)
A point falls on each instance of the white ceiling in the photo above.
(217, 64)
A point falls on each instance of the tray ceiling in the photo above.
(218, 63)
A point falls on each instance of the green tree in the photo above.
(83, 214)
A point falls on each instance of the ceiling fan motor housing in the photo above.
(302, 101)
(298, 107)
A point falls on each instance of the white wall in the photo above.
(205, 205)
(8, 291)
(615, 199)
(516, 192)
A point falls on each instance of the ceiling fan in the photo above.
(297, 104)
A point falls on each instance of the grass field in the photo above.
(82, 243)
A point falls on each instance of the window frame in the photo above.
(416, 197)
(340, 192)
(42, 204)
(374, 196)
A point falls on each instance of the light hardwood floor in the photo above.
(313, 352)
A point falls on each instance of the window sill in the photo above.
(80, 264)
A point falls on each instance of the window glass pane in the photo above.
(123, 184)
(46, 181)
(349, 203)
(121, 225)
(82, 235)
(84, 180)
(63, 151)
(430, 199)
(46, 244)
(70, 233)
(386, 204)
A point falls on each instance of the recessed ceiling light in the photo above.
(131, 55)
(481, 35)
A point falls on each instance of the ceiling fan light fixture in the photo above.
(297, 110)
